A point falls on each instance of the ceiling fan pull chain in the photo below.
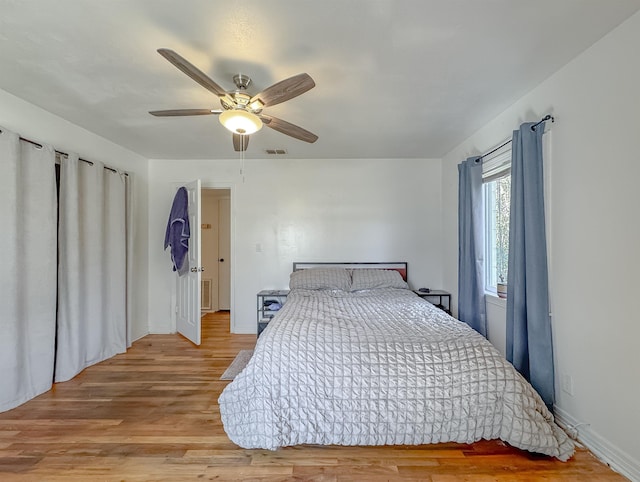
(242, 165)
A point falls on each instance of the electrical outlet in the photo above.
(567, 384)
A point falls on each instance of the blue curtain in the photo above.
(471, 305)
(529, 345)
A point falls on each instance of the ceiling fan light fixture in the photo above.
(240, 121)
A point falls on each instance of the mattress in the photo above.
(380, 367)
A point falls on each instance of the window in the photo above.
(496, 176)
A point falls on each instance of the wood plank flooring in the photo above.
(152, 415)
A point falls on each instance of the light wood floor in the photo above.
(152, 414)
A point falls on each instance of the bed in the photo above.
(354, 357)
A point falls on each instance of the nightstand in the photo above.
(441, 299)
(268, 299)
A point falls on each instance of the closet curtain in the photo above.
(28, 250)
(529, 345)
(92, 306)
(471, 304)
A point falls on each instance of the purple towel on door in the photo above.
(178, 232)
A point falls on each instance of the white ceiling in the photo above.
(394, 78)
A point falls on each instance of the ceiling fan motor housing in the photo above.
(242, 81)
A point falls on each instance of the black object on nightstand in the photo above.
(441, 299)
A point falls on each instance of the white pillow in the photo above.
(367, 279)
(321, 279)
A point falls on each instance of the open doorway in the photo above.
(216, 252)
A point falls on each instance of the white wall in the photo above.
(303, 210)
(594, 234)
(496, 322)
(39, 125)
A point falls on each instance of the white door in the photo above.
(188, 285)
(224, 253)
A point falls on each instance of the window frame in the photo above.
(494, 168)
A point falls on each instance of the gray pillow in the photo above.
(321, 279)
(367, 279)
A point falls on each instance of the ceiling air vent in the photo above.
(275, 152)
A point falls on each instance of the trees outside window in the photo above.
(497, 198)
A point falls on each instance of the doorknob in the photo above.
(194, 270)
(222, 260)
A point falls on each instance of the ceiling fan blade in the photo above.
(288, 128)
(192, 71)
(183, 112)
(240, 143)
(285, 90)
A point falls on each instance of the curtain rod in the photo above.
(37, 144)
(506, 143)
(545, 118)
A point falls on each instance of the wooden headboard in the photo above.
(401, 267)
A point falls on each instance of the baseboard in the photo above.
(139, 337)
(602, 448)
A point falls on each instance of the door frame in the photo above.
(218, 200)
(208, 184)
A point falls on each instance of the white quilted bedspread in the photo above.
(380, 367)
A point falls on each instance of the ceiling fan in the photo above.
(242, 113)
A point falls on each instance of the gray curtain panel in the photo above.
(92, 277)
(471, 304)
(28, 208)
(529, 345)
